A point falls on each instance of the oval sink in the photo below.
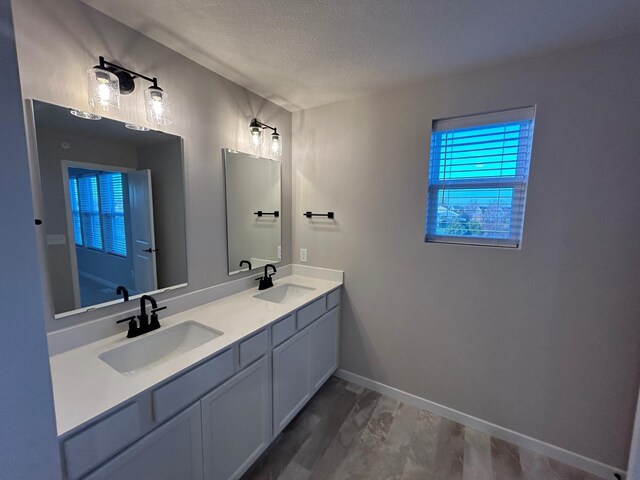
(158, 347)
(283, 293)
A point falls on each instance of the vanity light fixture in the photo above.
(107, 81)
(255, 139)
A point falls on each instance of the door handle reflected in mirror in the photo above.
(151, 250)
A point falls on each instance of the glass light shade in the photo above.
(255, 139)
(276, 145)
(157, 106)
(104, 89)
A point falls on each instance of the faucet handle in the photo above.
(158, 309)
(133, 326)
(128, 319)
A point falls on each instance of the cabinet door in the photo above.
(324, 348)
(291, 379)
(173, 451)
(236, 422)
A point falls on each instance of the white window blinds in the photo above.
(112, 207)
(478, 174)
(98, 211)
(75, 210)
(90, 211)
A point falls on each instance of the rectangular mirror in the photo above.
(113, 206)
(254, 223)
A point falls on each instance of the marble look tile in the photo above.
(477, 455)
(420, 461)
(333, 407)
(536, 466)
(505, 460)
(352, 433)
(294, 471)
(348, 434)
(276, 458)
(362, 456)
(450, 451)
(354, 388)
(392, 453)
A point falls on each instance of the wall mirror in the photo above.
(113, 208)
(254, 223)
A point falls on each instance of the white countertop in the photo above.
(84, 386)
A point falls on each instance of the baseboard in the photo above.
(589, 465)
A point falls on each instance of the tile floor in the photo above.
(347, 432)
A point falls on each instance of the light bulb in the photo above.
(255, 138)
(157, 106)
(276, 145)
(104, 89)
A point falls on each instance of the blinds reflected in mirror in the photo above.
(112, 208)
(478, 174)
(98, 213)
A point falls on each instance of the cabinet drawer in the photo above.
(184, 390)
(312, 311)
(283, 329)
(333, 299)
(97, 443)
(253, 348)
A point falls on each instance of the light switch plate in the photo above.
(303, 255)
(56, 239)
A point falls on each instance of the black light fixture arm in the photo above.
(256, 123)
(112, 67)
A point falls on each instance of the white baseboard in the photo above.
(592, 466)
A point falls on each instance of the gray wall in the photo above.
(28, 442)
(208, 111)
(542, 340)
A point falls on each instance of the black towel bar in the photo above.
(310, 214)
(260, 213)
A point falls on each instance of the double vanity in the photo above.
(187, 393)
(203, 396)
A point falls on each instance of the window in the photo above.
(478, 175)
(97, 210)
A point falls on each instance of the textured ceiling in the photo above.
(304, 53)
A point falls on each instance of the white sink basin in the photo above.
(158, 347)
(283, 293)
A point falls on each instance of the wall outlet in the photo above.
(279, 251)
(303, 255)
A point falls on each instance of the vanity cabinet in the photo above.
(303, 363)
(324, 352)
(173, 451)
(214, 420)
(291, 378)
(236, 422)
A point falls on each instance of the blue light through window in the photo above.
(478, 178)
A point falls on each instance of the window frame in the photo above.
(518, 183)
